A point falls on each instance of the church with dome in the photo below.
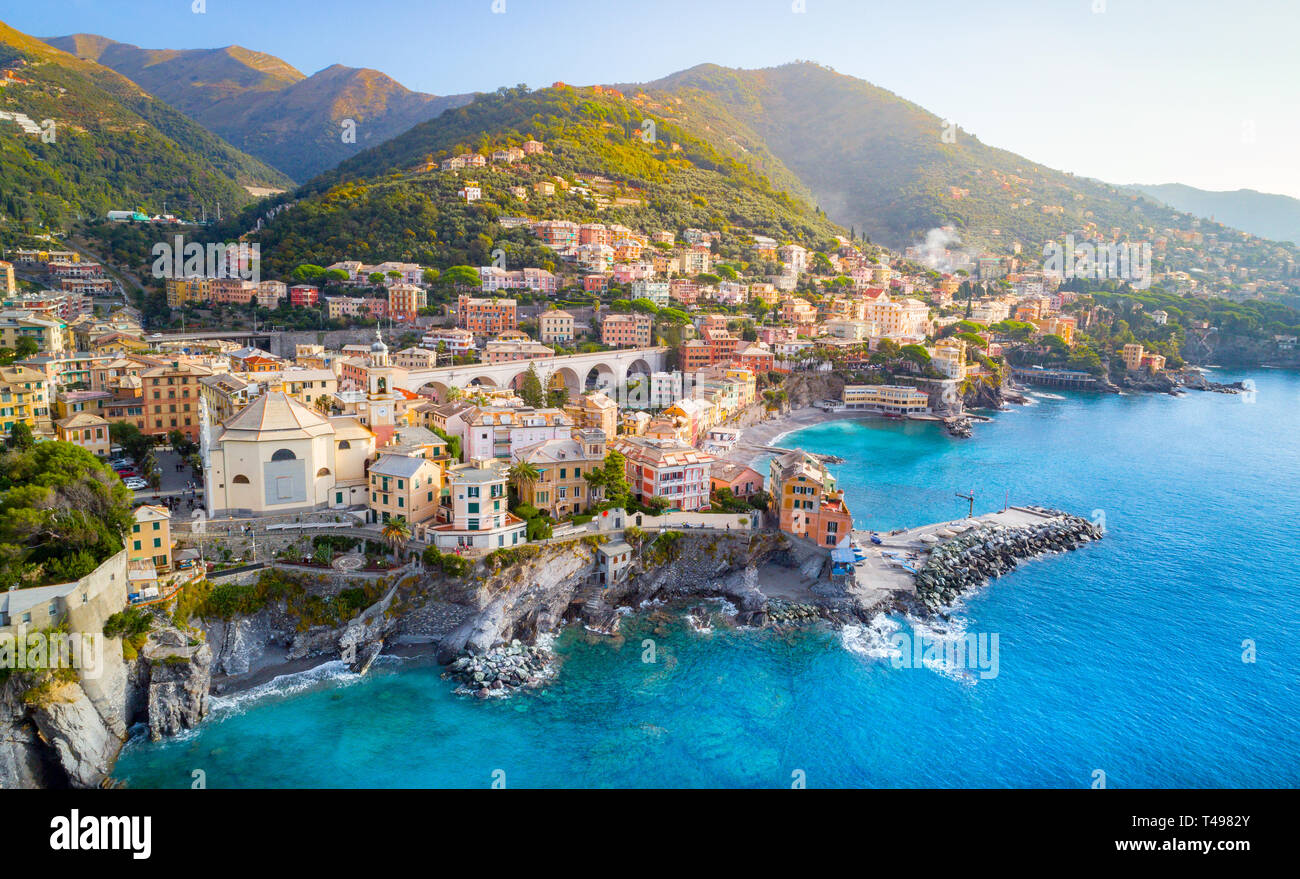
(278, 456)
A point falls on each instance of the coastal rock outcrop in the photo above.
(83, 743)
(991, 550)
(353, 638)
(65, 730)
(25, 762)
(180, 678)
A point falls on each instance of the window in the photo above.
(471, 508)
(324, 471)
(344, 444)
(473, 525)
(241, 479)
(283, 455)
(136, 545)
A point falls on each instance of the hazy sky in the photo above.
(1202, 92)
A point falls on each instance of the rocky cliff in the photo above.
(65, 729)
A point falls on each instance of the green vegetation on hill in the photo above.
(881, 164)
(384, 204)
(62, 513)
(114, 146)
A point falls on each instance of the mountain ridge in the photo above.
(1267, 214)
(109, 144)
(265, 106)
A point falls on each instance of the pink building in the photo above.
(668, 469)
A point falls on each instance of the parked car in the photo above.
(121, 462)
(129, 473)
(135, 483)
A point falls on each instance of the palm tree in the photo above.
(524, 473)
(453, 394)
(396, 532)
(325, 404)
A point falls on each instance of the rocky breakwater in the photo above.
(502, 670)
(783, 615)
(989, 551)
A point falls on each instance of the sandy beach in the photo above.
(749, 448)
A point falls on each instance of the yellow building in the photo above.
(8, 283)
(562, 466)
(950, 358)
(116, 343)
(51, 335)
(86, 430)
(748, 391)
(24, 396)
(887, 399)
(1133, 354)
(555, 327)
(594, 410)
(405, 486)
(151, 537)
(186, 291)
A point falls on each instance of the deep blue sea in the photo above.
(1125, 657)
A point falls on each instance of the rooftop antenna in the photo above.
(969, 497)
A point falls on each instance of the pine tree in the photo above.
(531, 390)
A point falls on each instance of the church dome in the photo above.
(378, 345)
(274, 416)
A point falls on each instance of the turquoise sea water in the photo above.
(1123, 657)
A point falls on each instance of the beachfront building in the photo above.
(898, 400)
(806, 500)
(742, 481)
(949, 358)
(1137, 357)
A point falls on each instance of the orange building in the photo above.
(171, 398)
(806, 499)
(486, 316)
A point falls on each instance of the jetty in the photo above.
(931, 564)
(778, 450)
